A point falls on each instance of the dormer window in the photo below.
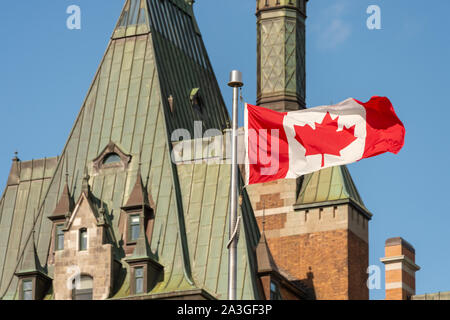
(33, 281)
(112, 158)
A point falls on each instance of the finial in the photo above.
(16, 158)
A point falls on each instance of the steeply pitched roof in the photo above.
(65, 204)
(184, 65)
(18, 207)
(127, 104)
(330, 185)
(205, 191)
(30, 262)
(266, 263)
(138, 196)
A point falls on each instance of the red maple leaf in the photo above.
(325, 139)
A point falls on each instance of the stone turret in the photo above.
(281, 54)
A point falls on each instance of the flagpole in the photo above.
(235, 83)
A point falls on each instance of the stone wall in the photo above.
(96, 261)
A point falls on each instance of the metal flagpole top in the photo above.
(236, 79)
(236, 83)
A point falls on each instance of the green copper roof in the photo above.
(18, 209)
(127, 104)
(205, 189)
(30, 262)
(329, 185)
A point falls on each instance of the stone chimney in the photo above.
(400, 268)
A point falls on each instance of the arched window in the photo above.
(111, 158)
(84, 289)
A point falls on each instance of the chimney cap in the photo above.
(399, 241)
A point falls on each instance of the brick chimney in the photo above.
(400, 268)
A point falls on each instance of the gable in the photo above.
(83, 215)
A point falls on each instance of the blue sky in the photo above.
(46, 70)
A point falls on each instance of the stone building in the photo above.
(122, 213)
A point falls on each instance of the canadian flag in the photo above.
(283, 145)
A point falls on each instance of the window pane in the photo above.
(84, 289)
(139, 279)
(27, 285)
(274, 292)
(134, 227)
(134, 232)
(135, 219)
(86, 282)
(83, 239)
(59, 237)
(112, 158)
(60, 243)
(27, 290)
(28, 295)
(139, 285)
(273, 286)
(139, 272)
